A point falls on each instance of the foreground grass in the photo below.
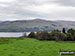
(33, 47)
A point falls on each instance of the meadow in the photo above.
(33, 47)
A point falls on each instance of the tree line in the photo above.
(55, 35)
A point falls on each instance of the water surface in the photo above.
(13, 34)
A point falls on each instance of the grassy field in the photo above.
(33, 47)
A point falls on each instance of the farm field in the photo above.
(33, 47)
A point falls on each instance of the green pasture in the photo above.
(33, 47)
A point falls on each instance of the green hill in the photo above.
(32, 25)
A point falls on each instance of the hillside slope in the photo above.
(32, 25)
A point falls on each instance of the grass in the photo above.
(33, 47)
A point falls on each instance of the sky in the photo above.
(42, 9)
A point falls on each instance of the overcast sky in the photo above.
(31, 9)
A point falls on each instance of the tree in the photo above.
(69, 37)
(57, 35)
(37, 34)
(71, 31)
(44, 35)
(63, 30)
(32, 35)
(71, 34)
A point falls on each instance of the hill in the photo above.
(71, 23)
(33, 25)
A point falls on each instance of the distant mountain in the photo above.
(3, 22)
(34, 25)
(71, 23)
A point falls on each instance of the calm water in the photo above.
(13, 34)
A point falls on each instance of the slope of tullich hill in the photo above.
(34, 25)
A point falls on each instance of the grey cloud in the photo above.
(66, 2)
(26, 9)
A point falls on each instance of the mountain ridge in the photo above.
(34, 25)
